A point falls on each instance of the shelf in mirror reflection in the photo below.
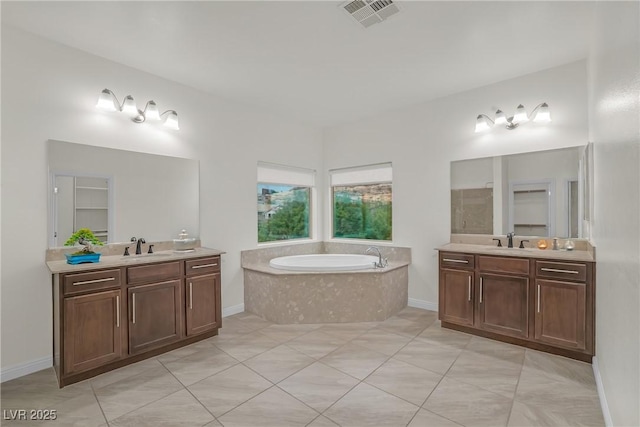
(536, 194)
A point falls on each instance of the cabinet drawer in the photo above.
(503, 264)
(92, 281)
(562, 270)
(202, 266)
(457, 260)
(153, 272)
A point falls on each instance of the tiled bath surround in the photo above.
(324, 297)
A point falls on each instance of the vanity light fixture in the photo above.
(108, 102)
(540, 114)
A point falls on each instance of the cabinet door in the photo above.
(456, 297)
(92, 330)
(503, 304)
(154, 315)
(203, 303)
(561, 313)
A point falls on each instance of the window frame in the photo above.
(287, 178)
(386, 167)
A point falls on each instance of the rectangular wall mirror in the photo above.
(538, 194)
(120, 194)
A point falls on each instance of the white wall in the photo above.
(49, 92)
(614, 126)
(421, 141)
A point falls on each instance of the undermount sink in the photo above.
(145, 256)
(504, 248)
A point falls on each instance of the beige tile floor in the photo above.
(405, 371)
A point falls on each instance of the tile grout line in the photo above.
(516, 390)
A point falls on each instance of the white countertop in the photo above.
(116, 261)
(562, 255)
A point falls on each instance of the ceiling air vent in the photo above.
(369, 12)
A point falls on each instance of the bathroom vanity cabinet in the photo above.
(543, 304)
(108, 318)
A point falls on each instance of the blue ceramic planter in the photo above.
(80, 259)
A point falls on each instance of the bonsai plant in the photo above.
(84, 237)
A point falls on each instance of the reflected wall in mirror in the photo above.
(120, 194)
(531, 194)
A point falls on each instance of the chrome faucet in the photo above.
(382, 263)
(510, 237)
(139, 243)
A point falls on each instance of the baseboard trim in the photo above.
(17, 371)
(600, 387)
(426, 305)
(234, 309)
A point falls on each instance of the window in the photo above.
(284, 202)
(362, 202)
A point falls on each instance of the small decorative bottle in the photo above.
(569, 245)
(555, 246)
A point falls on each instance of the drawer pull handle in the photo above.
(557, 270)
(88, 282)
(538, 298)
(461, 261)
(481, 285)
(133, 296)
(117, 311)
(469, 297)
(190, 296)
(204, 266)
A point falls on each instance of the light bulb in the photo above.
(151, 111)
(543, 115)
(172, 121)
(501, 118)
(521, 115)
(482, 124)
(106, 101)
(129, 106)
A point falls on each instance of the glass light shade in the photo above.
(501, 118)
(106, 101)
(482, 124)
(151, 111)
(521, 115)
(543, 115)
(172, 121)
(129, 106)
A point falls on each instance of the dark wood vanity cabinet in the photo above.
(93, 331)
(564, 305)
(456, 298)
(105, 319)
(547, 305)
(202, 290)
(155, 315)
(503, 295)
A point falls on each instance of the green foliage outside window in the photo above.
(362, 212)
(283, 212)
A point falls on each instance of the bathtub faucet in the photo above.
(382, 263)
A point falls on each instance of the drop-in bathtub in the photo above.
(323, 287)
(324, 262)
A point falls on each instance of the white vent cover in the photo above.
(369, 12)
